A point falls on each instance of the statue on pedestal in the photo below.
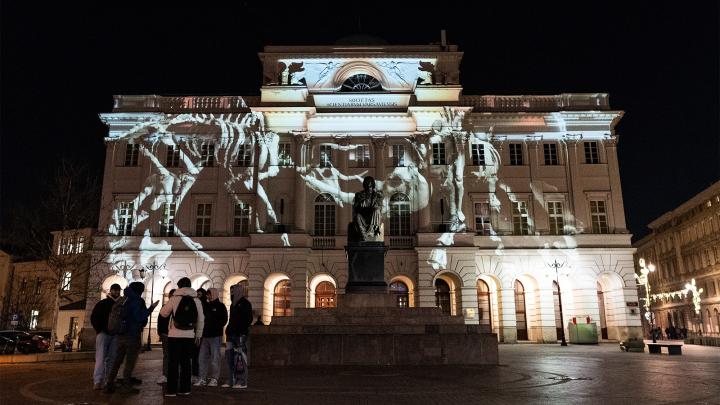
(367, 223)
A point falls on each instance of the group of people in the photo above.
(190, 326)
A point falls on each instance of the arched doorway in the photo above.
(324, 295)
(281, 299)
(520, 317)
(484, 309)
(166, 292)
(442, 296)
(601, 306)
(400, 293)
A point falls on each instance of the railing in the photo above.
(595, 101)
(323, 242)
(402, 242)
(180, 103)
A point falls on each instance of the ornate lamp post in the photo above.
(643, 279)
(557, 267)
(124, 268)
(163, 273)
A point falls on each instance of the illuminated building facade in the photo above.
(685, 245)
(482, 192)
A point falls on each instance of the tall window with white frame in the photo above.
(399, 215)
(324, 215)
(556, 217)
(132, 152)
(521, 219)
(172, 159)
(245, 155)
(325, 155)
(34, 318)
(591, 152)
(167, 224)
(242, 219)
(67, 279)
(398, 155)
(207, 155)
(361, 155)
(285, 154)
(478, 154)
(551, 154)
(516, 155)
(598, 216)
(125, 211)
(438, 153)
(482, 219)
(203, 219)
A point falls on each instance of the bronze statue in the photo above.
(367, 223)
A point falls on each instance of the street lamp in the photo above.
(557, 266)
(643, 279)
(124, 268)
(163, 273)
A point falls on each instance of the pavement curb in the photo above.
(45, 357)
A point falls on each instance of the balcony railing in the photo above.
(561, 102)
(150, 103)
(402, 242)
(323, 242)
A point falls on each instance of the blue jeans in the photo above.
(105, 347)
(236, 342)
(210, 357)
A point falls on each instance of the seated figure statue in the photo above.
(367, 223)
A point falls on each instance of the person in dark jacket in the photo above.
(163, 324)
(196, 350)
(104, 342)
(241, 317)
(128, 342)
(216, 317)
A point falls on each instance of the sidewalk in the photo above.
(44, 357)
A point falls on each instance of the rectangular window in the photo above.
(482, 219)
(598, 214)
(125, 218)
(34, 317)
(173, 156)
(478, 154)
(520, 218)
(325, 155)
(245, 155)
(284, 154)
(167, 225)
(242, 219)
(80, 244)
(361, 155)
(556, 218)
(516, 155)
(67, 278)
(591, 152)
(324, 219)
(398, 155)
(131, 154)
(38, 286)
(438, 153)
(551, 155)
(203, 219)
(207, 155)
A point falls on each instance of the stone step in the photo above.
(423, 329)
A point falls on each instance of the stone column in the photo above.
(616, 200)
(341, 162)
(300, 144)
(379, 142)
(546, 311)
(508, 322)
(424, 221)
(468, 298)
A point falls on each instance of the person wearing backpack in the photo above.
(241, 317)
(104, 341)
(185, 332)
(128, 317)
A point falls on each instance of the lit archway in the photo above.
(229, 282)
(200, 281)
(447, 293)
(396, 290)
(269, 295)
(109, 281)
(495, 302)
(316, 281)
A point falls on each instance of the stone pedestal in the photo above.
(366, 268)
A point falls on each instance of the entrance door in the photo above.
(601, 305)
(325, 295)
(522, 332)
(483, 297)
(442, 296)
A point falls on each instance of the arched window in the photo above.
(522, 332)
(324, 215)
(401, 293)
(361, 82)
(442, 296)
(325, 295)
(399, 215)
(281, 303)
(484, 313)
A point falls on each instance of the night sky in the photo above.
(660, 64)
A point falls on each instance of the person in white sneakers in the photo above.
(163, 325)
(237, 333)
(216, 317)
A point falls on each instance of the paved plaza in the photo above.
(529, 374)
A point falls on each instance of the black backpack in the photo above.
(117, 320)
(185, 314)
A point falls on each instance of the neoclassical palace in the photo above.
(483, 194)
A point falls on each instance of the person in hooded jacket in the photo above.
(241, 317)
(216, 317)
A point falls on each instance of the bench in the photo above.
(673, 348)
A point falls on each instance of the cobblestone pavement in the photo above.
(528, 374)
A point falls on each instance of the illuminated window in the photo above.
(516, 155)
(556, 218)
(242, 219)
(285, 154)
(131, 154)
(38, 286)
(34, 316)
(125, 218)
(361, 82)
(478, 154)
(325, 295)
(551, 155)
(482, 219)
(325, 155)
(591, 152)
(361, 156)
(521, 221)
(400, 292)
(442, 296)
(203, 219)
(398, 155)
(484, 309)
(172, 158)
(438, 153)
(207, 155)
(66, 246)
(324, 215)
(67, 278)
(598, 215)
(281, 301)
(80, 244)
(245, 155)
(167, 225)
(399, 215)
